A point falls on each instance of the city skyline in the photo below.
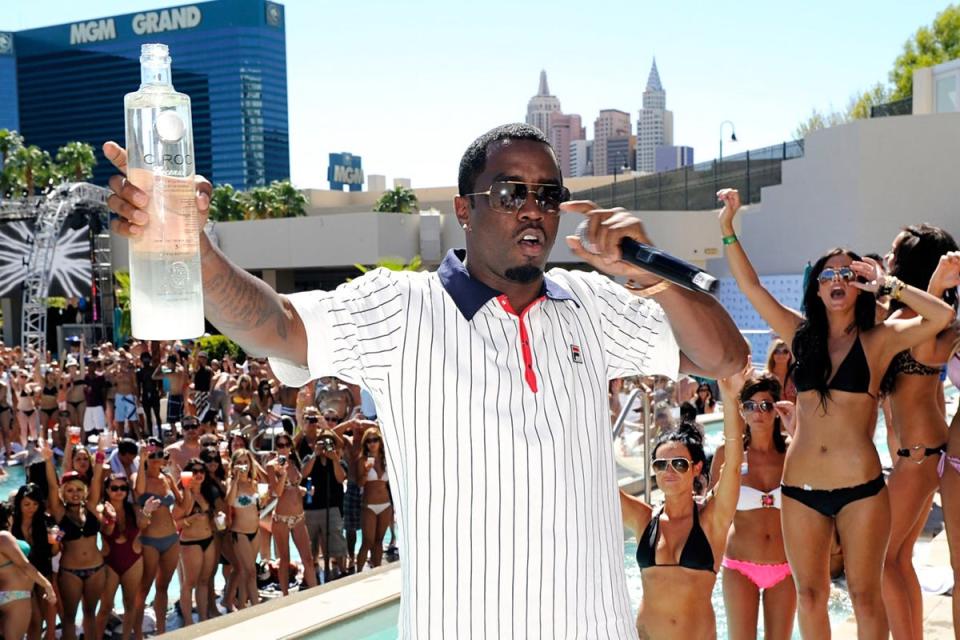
(385, 84)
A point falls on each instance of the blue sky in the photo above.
(408, 85)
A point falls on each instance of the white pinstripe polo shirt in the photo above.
(498, 440)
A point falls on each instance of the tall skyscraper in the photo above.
(543, 112)
(655, 124)
(67, 82)
(564, 129)
(611, 123)
(541, 106)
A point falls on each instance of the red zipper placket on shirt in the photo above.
(525, 350)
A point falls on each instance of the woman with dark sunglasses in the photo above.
(779, 364)
(160, 541)
(288, 517)
(680, 544)
(198, 555)
(832, 474)
(216, 480)
(31, 524)
(81, 576)
(755, 565)
(913, 386)
(122, 523)
(377, 512)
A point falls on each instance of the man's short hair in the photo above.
(127, 446)
(474, 159)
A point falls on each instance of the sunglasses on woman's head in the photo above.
(830, 274)
(509, 196)
(764, 406)
(680, 465)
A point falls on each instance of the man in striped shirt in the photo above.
(490, 379)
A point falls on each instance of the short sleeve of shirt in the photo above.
(353, 332)
(637, 336)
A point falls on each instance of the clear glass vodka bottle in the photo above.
(166, 294)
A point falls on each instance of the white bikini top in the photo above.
(751, 499)
(372, 475)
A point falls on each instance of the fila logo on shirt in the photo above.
(575, 354)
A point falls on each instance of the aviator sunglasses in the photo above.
(764, 406)
(509, 196)
(843, 273)
(680, 465)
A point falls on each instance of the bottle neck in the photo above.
(155, 75)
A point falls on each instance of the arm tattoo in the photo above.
(238, 303)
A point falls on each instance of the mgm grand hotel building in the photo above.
(67, 82)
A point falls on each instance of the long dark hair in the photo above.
(916, 256)
(689, 435)
(769, 383)
(38, 527)
(128, 512)
(294, 457)
(208, 488)
(810, 344)
(700, 404)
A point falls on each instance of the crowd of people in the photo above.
(798, 476)
(151, 462)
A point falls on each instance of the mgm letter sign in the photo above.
(345, 169)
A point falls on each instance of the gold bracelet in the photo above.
(898, 288)
(646, 292)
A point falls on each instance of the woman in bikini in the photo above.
(376, 509)
(288, 518)
(198, 555)
(241, 397)
(49, 404)
(30, 524)
(76, 398)
(122, 523)
(832, 474)
(26, 391)
(755, 566)
(779, 363)
(82, 576)
(912, 383)
(680, 544)
(215, 486)
(17, 579)
(160, 541)
(244, 524)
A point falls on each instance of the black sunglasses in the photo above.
(284, 445)
(843, 273)
(680, 465)
(190, 426)
(509, 196)
(764, 406)
(373, 439)
(333, 419)
(313, 420)
(119, 487)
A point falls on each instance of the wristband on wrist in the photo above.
(730, 239)
(646, 292)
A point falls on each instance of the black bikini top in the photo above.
(696, 554)
(853, 374)
(905, 363)
(73, 531)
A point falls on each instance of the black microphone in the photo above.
(651, 259)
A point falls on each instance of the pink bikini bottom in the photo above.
(764, 576)
(953, 461)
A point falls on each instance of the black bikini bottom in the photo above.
(203, 544)
(830, 502)
(237, 534)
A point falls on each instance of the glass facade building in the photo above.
(229, 56)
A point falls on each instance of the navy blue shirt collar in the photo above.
(469, 294)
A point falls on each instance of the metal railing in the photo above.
(695, 187)
(618, 429)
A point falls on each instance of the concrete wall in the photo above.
(856, 186)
